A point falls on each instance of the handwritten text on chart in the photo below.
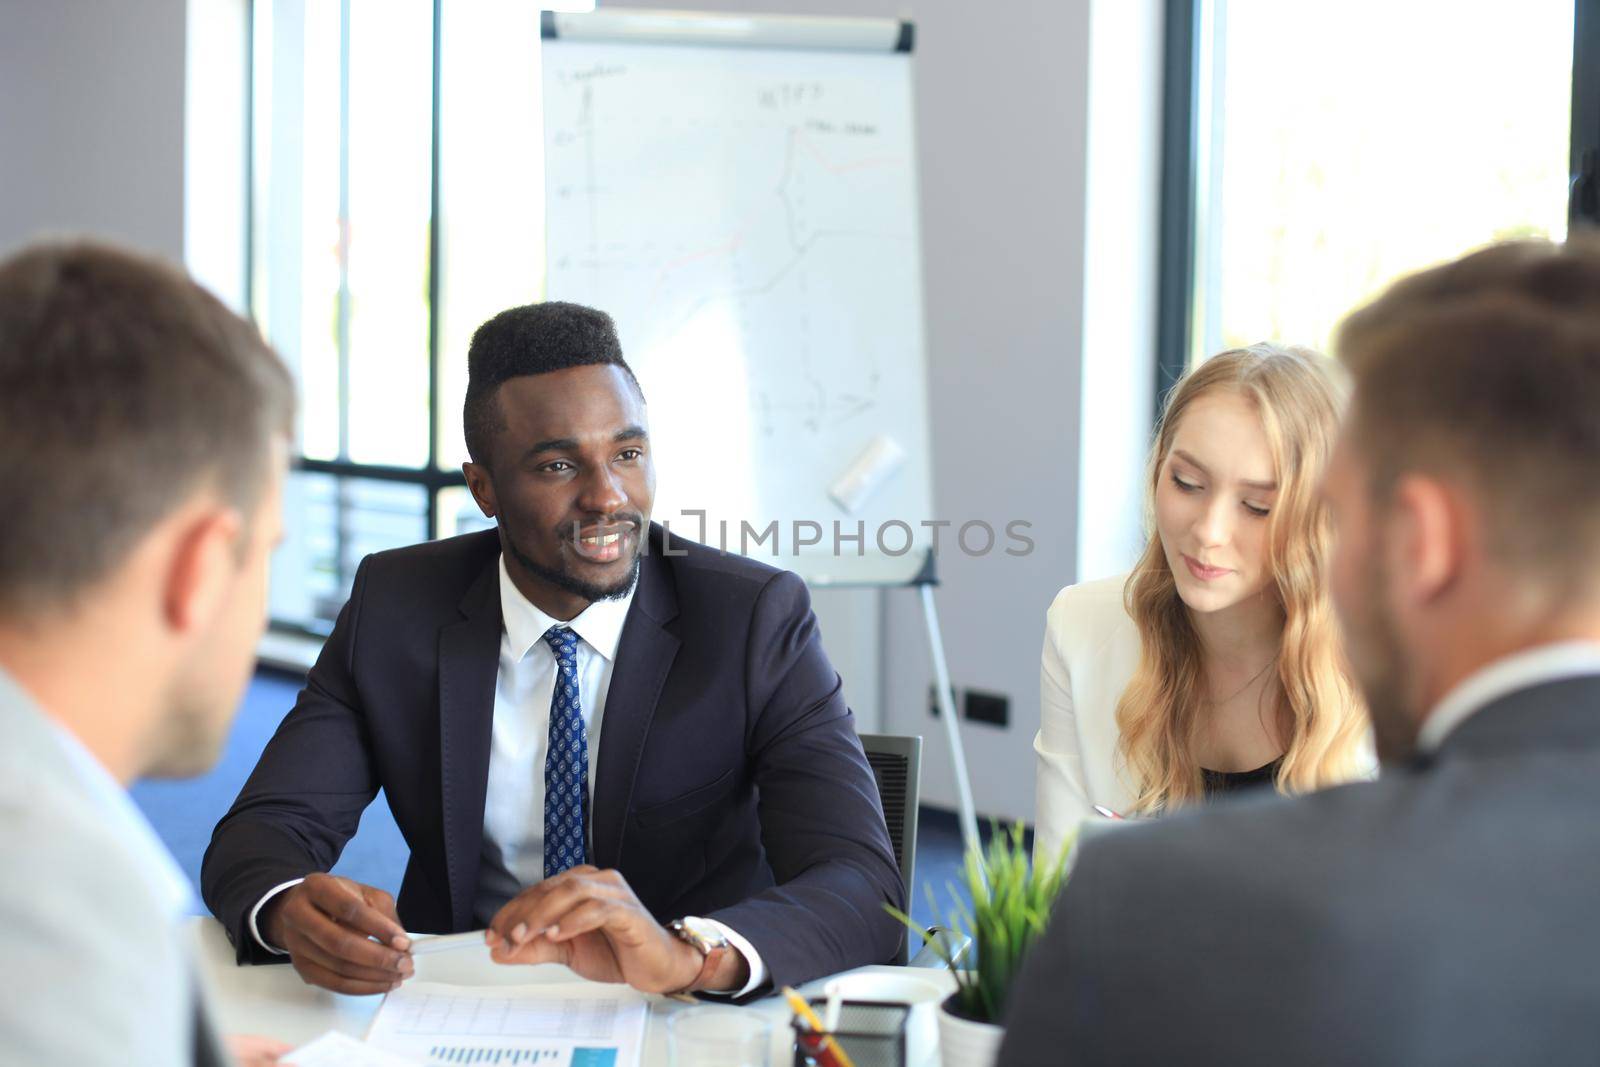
(789, 94)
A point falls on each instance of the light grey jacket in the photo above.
(1448, 913)
(94, 969)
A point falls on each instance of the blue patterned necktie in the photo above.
(566, 763)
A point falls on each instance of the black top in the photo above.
(1220, 782)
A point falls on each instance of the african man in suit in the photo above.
(613, 748)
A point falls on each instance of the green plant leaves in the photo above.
(1010, 907)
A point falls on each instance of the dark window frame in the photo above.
(1583, 207)
(1175, 303)
(1180, 124)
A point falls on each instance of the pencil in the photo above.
(831, 1047)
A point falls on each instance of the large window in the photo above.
(396, 202)
(1328, 149)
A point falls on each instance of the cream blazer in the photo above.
(1091, 648)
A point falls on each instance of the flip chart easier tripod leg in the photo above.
(947, 712)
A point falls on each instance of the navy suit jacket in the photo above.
(729, 783)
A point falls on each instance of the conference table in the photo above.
(273, 1001)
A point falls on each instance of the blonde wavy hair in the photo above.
(1160, 712)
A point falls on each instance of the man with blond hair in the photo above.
(1444, 914)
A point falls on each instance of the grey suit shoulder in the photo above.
(1442, 914)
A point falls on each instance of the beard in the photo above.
(571, 583)
(189, 739)
(199, 702)
(1378, 661)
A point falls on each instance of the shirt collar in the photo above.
(599, 625)
(1520, 670)
(122, 815)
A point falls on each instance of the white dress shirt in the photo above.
(1507, 675)
(513, 810)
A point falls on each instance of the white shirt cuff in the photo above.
(758, 969)
(255, 931)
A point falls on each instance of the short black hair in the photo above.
(531, 339)
(124, 386)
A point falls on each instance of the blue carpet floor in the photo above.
(184, 812)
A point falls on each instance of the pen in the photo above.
(830, 1020)
(831, 1054)
(1107, 812)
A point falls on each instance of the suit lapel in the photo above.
(469, 658)
(644, 656)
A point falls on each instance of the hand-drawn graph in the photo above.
(749, 218)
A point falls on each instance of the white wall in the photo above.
(1120, 282)
(91, 121)
(1001, 92)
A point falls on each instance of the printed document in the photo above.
(566, 1024)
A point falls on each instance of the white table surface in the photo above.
(272, 1000)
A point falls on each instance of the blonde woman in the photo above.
(1215, 664)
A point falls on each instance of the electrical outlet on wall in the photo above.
(992, 708)
(974, 705)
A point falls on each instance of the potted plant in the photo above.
(1011, 903)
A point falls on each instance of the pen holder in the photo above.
(871, 1034)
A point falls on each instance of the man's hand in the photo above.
(590, 921)
(249, 1050)
(326, 925)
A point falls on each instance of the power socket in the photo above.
(992, 708)
(974, 705)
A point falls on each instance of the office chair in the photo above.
(897, 767)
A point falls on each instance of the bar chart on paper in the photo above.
(577, 1024)
(579, 1057)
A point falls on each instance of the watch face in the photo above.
(703, 931)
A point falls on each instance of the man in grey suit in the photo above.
(143, 444)
(1446, 913)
